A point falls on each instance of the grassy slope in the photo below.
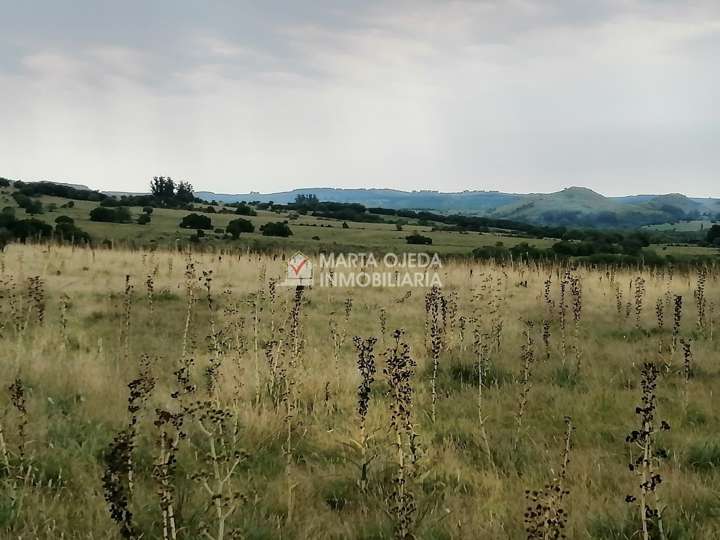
(77, 396)
(373, 236)
(164, 230)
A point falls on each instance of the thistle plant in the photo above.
(644, 465)
(217, 340)
(218, 461)
(639, 298)
(36, 297)
(115, 480)
(528, 359)
(677, 320)
(382, 321)
(481, 352)
(118, 476)
(564, 283)
(399, 369)
(545, 517)
(150, 292)
(436, 343)
(660, 313)
(618, 300)
(687, 359)
(366, 367)
(576, 292)
(64, 310)
(293, 347)
(19, 403)
(190, 279)
(127, 314)
(700, 300)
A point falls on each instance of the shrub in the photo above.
(196, 221)
(143, 219)
(110, 215)
(148, 210)
(31, 206)
(68, 231)
(239, 225)
(713, 234)
(276, 228)
(64, 219)
(245, 210)
(418, 239)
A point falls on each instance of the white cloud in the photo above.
(515, 95)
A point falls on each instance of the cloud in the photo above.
(516, 95)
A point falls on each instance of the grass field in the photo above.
(264, 385)
(309, 233)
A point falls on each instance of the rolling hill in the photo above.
(574, 206)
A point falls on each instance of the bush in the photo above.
(143, 219)
(31, 206)
(64, 219)
(345, 225)
(245, 210)
(276, 228)
(148, 210)
(196, 221)
(69, 232)
(238, 226)
(4, 182)
(110, 215)
(418, 239)
(713, 234)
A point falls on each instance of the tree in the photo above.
(713, 234)
(185, 192)
(31, 206)
(69, 232)
(162, 188)
(309, 200)
(276, 228)
(239, 225)
(196, 221)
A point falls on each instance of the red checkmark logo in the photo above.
(299, 267)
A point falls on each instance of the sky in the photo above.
(621, 96)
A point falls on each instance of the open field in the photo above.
(310, 234)
(246, 403)
(164, 230)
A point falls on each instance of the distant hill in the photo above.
(574, 206)
(466, 201)
(571, 207)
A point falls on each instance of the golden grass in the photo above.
(76, 391)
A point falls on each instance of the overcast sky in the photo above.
(514, 95)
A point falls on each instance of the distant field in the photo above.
(164, 230)
(682, 226)
(309, 233)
